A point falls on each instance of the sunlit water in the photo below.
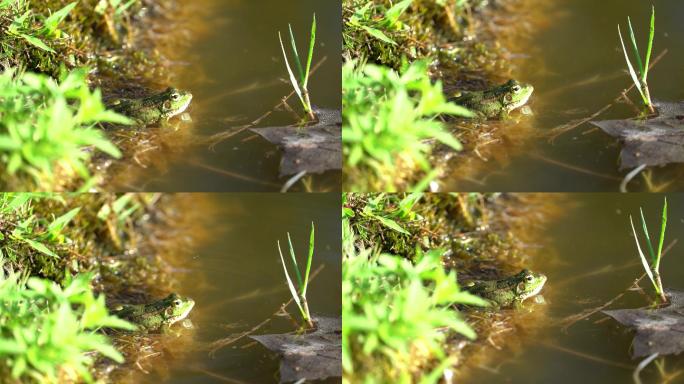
(237, 282)
(577, 68)
(236, 73)
(591, 259)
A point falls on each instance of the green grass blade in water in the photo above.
(649, 48)
(312, 44)
(663, 224)
(648, 237)
(644, 262)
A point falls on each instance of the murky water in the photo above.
(236, 73)
(591, 259)
(577, 68)
(237, 282)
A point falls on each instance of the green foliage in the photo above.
(24, 228)
(47, 123)
(48, 332)
(640, 78)
(388, 118)
(299, 294)
(33, 28)
(122, 208)
(652, 266)
(301, 86)
(393, 307)
(362, 18)
(119, 7)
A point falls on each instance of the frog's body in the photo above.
(496, 102)
(154, 109)
(157, 316)
(511, 291)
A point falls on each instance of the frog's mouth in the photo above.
(183, 314)
(182, 108)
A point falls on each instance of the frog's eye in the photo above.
(177, 302)
(175, 96)
(529, 278)
(516, 88)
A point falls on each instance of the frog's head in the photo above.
(529, 283)
(515, 94)
(176, 307)
(175, 102)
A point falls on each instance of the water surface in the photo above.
(237, 281)
(236, 73)
(577, 67)
(591, 259)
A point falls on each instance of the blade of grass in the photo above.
(293, 79)
(635, 79)
(312, 44)
(294, 261)
(640, 65)
(298, 62)
(663, 224)
(308, 260)
(648, 237)
(293, 291)
(644, 262)
(649, 48)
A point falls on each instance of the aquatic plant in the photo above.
(301, 86)
(393, 308)
(652, 266)
(47, 332)
(388, 118)
(48, 124)
(299, 295)
(640, 78)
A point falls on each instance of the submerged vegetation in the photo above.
(402, 305)
(61, 256)
(640, 78)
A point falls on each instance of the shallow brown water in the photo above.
(237, 282)
(577, 68)
(236, 73)
(591, 259)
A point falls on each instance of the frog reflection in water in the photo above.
(159, 315)
(154, 109)
(496, 102)
(511, 291)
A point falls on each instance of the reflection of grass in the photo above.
(397, 313)
(388, 118)
(652, 266)
(301, 86)
(640, 78)
(299, 295)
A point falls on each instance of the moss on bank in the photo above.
(474, 236)
(122, 246)
(463, 52)
(115, 41)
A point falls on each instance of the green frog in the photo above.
(154, 109)
(511, 291)
(496, 102)
(159, 315)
